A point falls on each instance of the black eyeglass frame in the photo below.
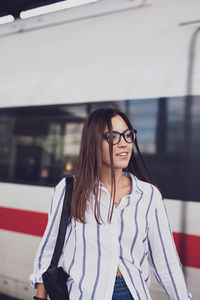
(134, 131)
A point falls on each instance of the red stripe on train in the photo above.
(23, 221)
(188, 247)
(34, 223)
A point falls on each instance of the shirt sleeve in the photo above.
(45, 250)
(163, 255)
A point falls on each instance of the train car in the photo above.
(140, 56)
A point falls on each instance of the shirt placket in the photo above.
(114, 256)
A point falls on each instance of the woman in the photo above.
(119, 221)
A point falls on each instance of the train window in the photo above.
(194, 142)
(143, 115)
(39, 145)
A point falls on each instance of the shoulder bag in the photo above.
(55, 278)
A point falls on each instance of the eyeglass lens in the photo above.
(115, 137)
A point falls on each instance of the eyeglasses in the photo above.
(114, 137)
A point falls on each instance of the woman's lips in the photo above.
(122, 154)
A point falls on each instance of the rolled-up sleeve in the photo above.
(45, 250)
(163, 255)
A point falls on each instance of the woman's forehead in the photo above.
(118, 124)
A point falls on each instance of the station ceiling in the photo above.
(14, 7)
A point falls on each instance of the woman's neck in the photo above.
(106, 177)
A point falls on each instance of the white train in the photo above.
(140, 56)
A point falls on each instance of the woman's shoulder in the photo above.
(61, 184)
(147, 188)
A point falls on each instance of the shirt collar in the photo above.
(134, 185)
(130, 199)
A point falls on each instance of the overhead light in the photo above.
(53, 7)
(6, 19)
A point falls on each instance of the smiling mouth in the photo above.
(122, 154)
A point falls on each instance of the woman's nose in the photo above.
(122, 143)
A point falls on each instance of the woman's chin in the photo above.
(121, 165)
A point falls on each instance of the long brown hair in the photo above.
(87, 175)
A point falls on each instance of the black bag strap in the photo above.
(64, 221)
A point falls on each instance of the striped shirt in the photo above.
(139, 233)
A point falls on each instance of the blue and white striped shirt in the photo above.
(138, 233)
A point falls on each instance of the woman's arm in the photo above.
(41, 292)
(163, 254)
(45, 251)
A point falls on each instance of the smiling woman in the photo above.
(122, 148)
(118, 221)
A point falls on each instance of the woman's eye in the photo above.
(114, 136)
(129, 135)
